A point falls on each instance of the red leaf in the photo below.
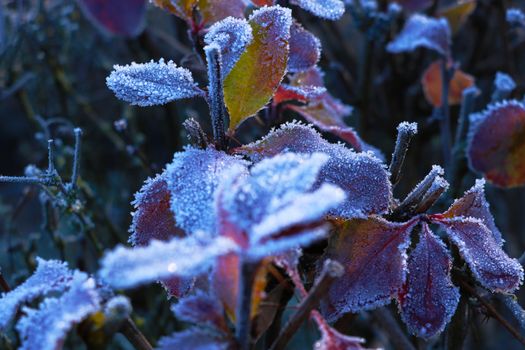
(473, 204)
(497, 143)
(429, 299)
(373, 252)
(119, 17)
(491, 266)
(153, 219)
(286, 92)
(433, 85)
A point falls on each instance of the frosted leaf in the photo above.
(46, 328)
(491, 266)
(422, 31)
(361, 176)
(373, 252)
(429, 298)
(232, 36)
(327, 9)
(193, 178)
(194, 339)
(50, 276)
(515, 17)
(504, 82)
(324, 111)
(182, 257)
(496, 143)
(305, 49)
(201, 309)
(474, 204)
(153, 219)
(276, 197)
(148, 84)
(287, 92)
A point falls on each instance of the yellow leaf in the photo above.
(254, 79)
(457, 14)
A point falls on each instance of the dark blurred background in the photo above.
(53, 65)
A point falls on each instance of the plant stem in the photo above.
(457, 330)
(3, 283)
(134, 335)
(405, 132)
(215, 95)
(396, 335)
(248, 270)
(444, 120)
(491, 310)
(76, 157)
(331, 271)
(512, 304)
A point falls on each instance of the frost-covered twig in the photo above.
(405, 132)
(511, 303)
(76, 157)
(331, 271)
(134, 335)
(218, 111)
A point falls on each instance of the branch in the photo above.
(218, 111)
(491, 310)
(244, 303)
(76, 157)
(405, 132)
(134, 335)
(444, 121)
(331, 271)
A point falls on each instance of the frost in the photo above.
(491, 266)
(153, 219)
(422, 31)
(305, 49)
(287, 92)
(50, 276)
(361, 176)
(194, 339)
(327, 9)
(515, 17)
(45, 328)
(276, 197)
(407, 128)
(373, 252)
(118, 308)
(504, 82)
(182, 257)
(193, 178)
(201, 309)
(430, 299)
(148, 84)
(232, 36)
(474, 204)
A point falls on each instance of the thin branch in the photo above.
(216, 95)
(397, 337)
(491, 310)
(331, 271)
(444, 121)
(517, 311)
(405, 132)
(134, 335)
(244, 303)
(50, 156)
(76, 157)
(33, 180)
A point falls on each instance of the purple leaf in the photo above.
(361, 176)
(46, 328)
(429, 298)
(305, 49)
(327, 9)
(473, 204)
(193, 178)
(195, 339)
(232, 36)
(373, 252)
(181, 257)
(491, 266)
(276, 198)
(120, 17)
(154, 220)
(422, 31)
(50, 276)
(149, 84)
(201, 309)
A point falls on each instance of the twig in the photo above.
(457, 330)
(76, 157)
(134, 335)
(522, 259)
(244, 303)
(491, 310)
(444, 120)
(331, 271)
(512, 304)
(215, 95)
(397, 337)
(405, 132)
